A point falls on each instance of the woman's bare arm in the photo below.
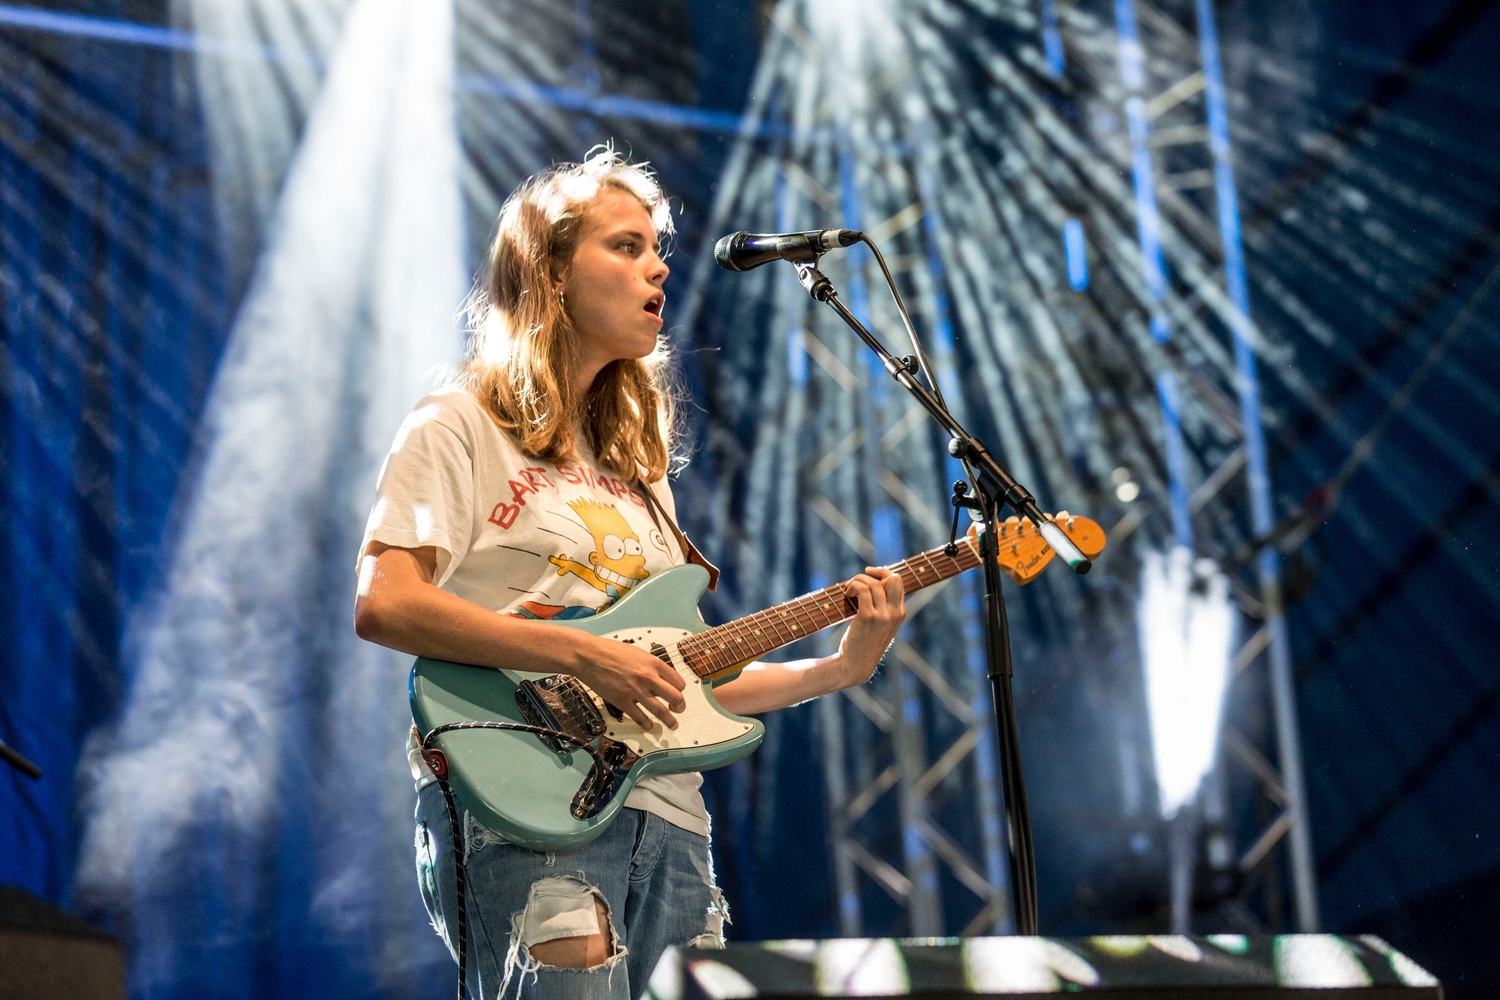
(399, 606)
(764, 687)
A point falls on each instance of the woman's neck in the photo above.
(586, 372)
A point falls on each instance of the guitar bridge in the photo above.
(599, 788)
(561, 703)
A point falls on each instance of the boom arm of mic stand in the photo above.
(963, 445)
(994, 486)
(18, 762)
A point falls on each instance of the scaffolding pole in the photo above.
(1287, 780)
(1283, 692)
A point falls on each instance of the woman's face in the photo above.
(613, 286)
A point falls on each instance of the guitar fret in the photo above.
(754, 633)
(726, 646)
(744, 640)
(818, 605)
(804, 614)
(716, 657)
(824, 604)
(756, 627)
(694, 658)
(726, 658)
(769, 634)
(794, 624)
(844, 606)
(937, 572)
(694, 653)
(778, 620)
(787, 615)
(806, 606)
(785, 622)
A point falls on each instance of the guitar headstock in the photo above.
(1024, 553)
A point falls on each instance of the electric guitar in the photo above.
(546, 763)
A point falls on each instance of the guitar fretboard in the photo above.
(726, 646)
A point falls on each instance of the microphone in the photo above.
(742, 251)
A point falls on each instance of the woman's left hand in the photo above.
(763, 687)
(882, 607)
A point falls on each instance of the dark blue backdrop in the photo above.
(120, 280)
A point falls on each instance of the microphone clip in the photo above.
(815, 281)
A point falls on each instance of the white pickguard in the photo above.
(700, 725)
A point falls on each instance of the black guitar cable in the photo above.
(435, 756)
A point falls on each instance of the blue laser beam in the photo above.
(524, 91)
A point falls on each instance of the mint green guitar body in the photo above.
(521, 789)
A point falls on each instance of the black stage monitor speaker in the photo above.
(46, 954)
(1151, 967)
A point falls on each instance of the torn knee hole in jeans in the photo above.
(556, 909)
(717, 917)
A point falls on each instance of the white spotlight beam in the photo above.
(247, 649)
(1186, 633)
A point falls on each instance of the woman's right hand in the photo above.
(399, 607)
(630, 679)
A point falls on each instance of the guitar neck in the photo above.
(724, 647)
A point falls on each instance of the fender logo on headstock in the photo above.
(1024, 553)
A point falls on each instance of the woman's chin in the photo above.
(646, 345)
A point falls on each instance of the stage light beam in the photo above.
(1186, 624)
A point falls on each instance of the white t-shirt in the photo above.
(525, 537)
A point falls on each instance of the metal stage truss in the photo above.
(965, 139)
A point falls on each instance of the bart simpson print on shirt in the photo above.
(617, 562)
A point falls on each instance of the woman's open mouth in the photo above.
(655, 304)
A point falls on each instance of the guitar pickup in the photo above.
(560, 703)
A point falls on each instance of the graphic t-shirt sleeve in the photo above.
(426, 493)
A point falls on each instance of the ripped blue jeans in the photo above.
(656, 881)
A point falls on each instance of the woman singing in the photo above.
(512, 498)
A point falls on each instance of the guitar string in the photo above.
(832, 604)
(793, 610)
(740, 641)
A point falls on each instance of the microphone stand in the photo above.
(993, 489)
(18, 762)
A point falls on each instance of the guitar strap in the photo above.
(654, 508)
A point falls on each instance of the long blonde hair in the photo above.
(522, 343)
